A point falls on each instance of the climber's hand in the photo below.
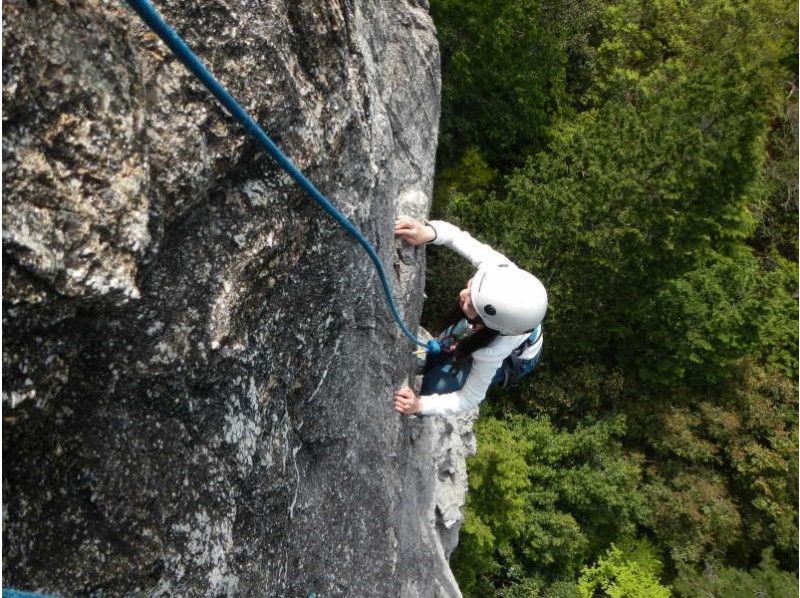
(406, 401)
(413, 231)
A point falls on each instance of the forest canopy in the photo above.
(640, 157)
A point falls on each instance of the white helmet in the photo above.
(508, 299)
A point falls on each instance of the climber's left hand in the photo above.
(406, 401)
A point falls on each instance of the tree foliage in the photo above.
(620, 575)
(647, 173)
(502, 73)
(648, 187)
(725, 483)
(726, 582)
(543, 501)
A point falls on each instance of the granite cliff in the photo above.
(197, 361)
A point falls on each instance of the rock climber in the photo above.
(495, 329)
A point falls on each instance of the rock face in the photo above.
(197, 361)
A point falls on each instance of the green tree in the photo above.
(702, 323)
(766, 580)
(502, 74)
(495, 511)
(648, 186)
(776, 209)
(656, 200)
(579, 489)
(723, 483)
(620, 575)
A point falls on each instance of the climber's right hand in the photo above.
(413, 231)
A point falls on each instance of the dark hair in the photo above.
(473, 342)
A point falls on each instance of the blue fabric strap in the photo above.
(170, 37)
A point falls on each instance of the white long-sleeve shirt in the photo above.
(485, 361)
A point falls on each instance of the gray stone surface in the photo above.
(197, 362)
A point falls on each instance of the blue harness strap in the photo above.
(170, 37)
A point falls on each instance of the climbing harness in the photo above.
(440, 375)
(170, 37)
(514, 368)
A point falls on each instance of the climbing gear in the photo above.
(508, 299)
(452, 335)
(170, 37)
(515, 368)
(532, 339)
(440, 376)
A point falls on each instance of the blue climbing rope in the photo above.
(169, 36)
(9, 593)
